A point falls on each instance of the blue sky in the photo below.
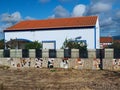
(13, 11)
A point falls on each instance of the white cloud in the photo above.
(11, 18)
(16, 16)
(60, 12)
(106, 22)
(103, 1)
(118, 14)
(52, 16)
(7, 20)
(109, 17)
(100, 7)
(79, 10)
(29, 18)
(4, 26)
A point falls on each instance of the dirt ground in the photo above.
(58, 79)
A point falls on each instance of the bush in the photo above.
(33, 45)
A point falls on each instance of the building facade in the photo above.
(105, 42)
(53, 32)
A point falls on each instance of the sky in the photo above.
(14, 11)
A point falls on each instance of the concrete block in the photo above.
(32, 53)
(60, 53)
(15, 53)
(109, 53)
(74, 53)
(1, 52)
(91, 53)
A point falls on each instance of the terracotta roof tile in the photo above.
(106, 39)
(55, 23)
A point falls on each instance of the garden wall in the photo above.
(89, 60)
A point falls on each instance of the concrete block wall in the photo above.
(15, 53)
(59, 53)
(87, 63)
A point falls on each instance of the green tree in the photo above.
(72, 44)
(75, 44)
(33, 45)
(115, 45)
(2, 44)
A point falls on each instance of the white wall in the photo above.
(57, 35)
(48, 45)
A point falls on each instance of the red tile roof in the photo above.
(55, 23)
(106, 40)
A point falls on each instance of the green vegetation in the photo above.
(33, 45)
(2, 44)
(115, 45)
(72, 44)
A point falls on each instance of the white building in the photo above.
(53, 32)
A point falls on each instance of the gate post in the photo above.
(101, 60)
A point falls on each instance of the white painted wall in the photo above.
(48, 45)
(57, 35)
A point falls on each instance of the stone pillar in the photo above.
(108, 61)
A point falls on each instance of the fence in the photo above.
(105, 58)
